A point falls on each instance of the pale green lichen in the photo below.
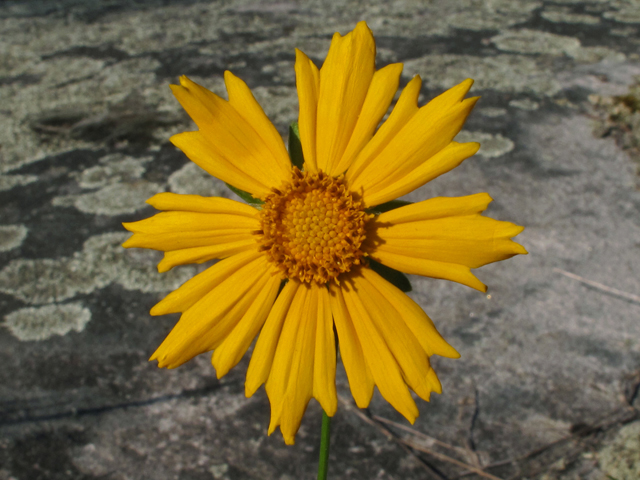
(279, 103)
(524, 104)
(492, 112)
(620, 459)
(506, 73)
(620, 117)
(626, 14)
(41, 323)
(565, 15)
(116, 199)
(491, 146)
(625, 32)
(88, 95)
(12, 236)
(120, 189)
(192, 180)
(489, 15)
(219, 471)
(7, 182)
(101, 262)
(537, 42)
(112, 168)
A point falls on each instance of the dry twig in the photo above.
(446, 458)
(416, 433)
(428, 468)
(599, 286)
(409, 446)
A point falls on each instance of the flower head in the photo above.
(299, 264)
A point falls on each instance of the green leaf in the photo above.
(391, 275)
(295, 147)
(246, 196)
(385, 207)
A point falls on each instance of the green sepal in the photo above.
(295, 147)
(385, 207)
(391, 275)
(246, 196)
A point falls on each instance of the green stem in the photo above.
(323, 464)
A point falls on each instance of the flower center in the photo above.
(312, 228)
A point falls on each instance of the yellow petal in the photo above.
(445, 160)
(204, 254)
(429, 268)
(324, 367)
(381, 92)
(402, 343)
(360, 378)
(179, 240)
(194, 335)
(241, 98)
(300, 358)
(406, 107)
(308, 84)
(166, 222)
(204, 325)
(382, 364)
(437, 207)
(233, 348)
(197, 287)
(290, 338)
(203, 153)
(428, 132)
(232, 136)
(196, 203)
(415, 318)
(434, 381)
(470, 240)
(223, 232)
(444, 231)
(448, 98)
(344, 81)
(264, 351)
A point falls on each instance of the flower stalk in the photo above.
(323, 463)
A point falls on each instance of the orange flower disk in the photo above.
(313, 230)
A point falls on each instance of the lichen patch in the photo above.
(41, 323)
(11, 236)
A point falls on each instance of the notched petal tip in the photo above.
(186, 81)
(156, 356)
(434, 381)
(363, 31)
(129, 242)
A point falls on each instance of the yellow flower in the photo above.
(298, 265)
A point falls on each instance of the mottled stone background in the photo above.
(547, 386)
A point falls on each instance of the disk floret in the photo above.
(313, 227)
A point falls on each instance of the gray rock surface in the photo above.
(547, 386)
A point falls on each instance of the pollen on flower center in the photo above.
(312, 227)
